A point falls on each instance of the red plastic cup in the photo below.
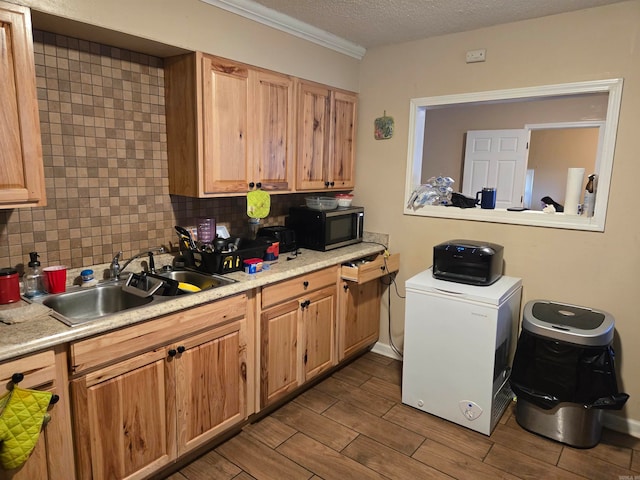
(56, 278)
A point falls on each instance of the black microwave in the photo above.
(328, 229)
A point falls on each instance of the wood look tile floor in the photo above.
(353, 425)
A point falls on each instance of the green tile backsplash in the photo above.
(104, 144)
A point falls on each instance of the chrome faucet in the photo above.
(116, 270)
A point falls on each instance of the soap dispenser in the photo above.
(33, 279)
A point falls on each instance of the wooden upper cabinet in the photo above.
(229, 125)
(342, 152)
(273, 113)
(22, 172)
(326, 137)
(225, 100)
(314, 104)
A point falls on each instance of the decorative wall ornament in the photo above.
(383, 127)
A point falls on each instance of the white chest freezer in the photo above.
(459, 342)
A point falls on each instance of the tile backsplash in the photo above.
(104, 142)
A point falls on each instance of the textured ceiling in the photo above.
(371, 23)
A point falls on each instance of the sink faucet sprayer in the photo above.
(116, 270)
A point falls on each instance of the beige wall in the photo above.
(552, 152)
(584, 268)
(445, 128)
(594, 269)
(195, 25)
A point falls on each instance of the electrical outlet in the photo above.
(474, 56)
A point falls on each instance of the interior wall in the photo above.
(556, 150)
(578, 267)
(445, 128)
(198, 26)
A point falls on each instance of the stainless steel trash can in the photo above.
(563, 372)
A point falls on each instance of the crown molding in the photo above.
(267, 16)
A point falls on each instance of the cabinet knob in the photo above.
(305, 304)
(17, 378)
(326, 184)
(345, 287)
(305, 284)
(331, 184)
(259, 185)
(172, 353)
(251, 185)
(181, 349)
(54, 399)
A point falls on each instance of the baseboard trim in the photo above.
(620, 424)
(610, 420)
(385, 350)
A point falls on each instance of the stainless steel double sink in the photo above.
(86, 304)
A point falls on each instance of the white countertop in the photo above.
(33, 335)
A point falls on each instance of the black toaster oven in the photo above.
(285, 236)
(468, 261)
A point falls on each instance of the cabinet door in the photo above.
(211, 384)
(272, 132)
(41, 463)
(279, 352)
(22, 172)
(360, 312)
(52, 457)
(314, 103)
(122, 423)
(343, 130)
(225, 97)
(318, 320)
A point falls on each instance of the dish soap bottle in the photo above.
(589, 196)
(33, 279)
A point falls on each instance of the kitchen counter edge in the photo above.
(32, 336)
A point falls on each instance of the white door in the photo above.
(496, 158)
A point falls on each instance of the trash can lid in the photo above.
(568, 323)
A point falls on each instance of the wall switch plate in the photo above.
(474, 56)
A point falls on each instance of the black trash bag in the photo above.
(459, 200)
(547, 372)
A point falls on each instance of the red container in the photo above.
(9, 286)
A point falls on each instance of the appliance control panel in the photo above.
(470, 410)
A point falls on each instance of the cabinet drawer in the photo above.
(368, 271)
(294, 288)
(120, 344)
(38, 369)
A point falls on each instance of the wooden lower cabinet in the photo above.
(360, 316)
(279, 357)
(360, 295)
(319, 332)
(52, 458)
(136, 416)
(122, 419)
(297, 337)
(211, 385)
